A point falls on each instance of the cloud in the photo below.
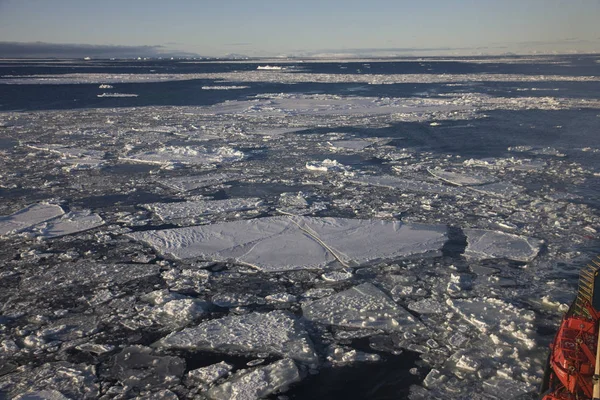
(238, 44)
(66, 50)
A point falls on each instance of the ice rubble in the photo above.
(459, 179)
(362, 306)
(188, 183)
(257, 383)
(29, 217)
(286, 77)
(276, 333)
(186, 155)
(191, 209)
(294, 242)
(484, 244)
(495, 317)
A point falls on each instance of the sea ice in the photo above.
(186, 155)
(288, 243)
(187, 183)
(28, 217)
(210, 374)
(190, 209)
(497, 317)
(362, 306)
(351, 144)
(67, 224)
(257, 383)
(459, 179)
(483, 244)
(276, 333)
(407, 185)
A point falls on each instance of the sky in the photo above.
(298, 28)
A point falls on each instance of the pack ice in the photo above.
(292, 242)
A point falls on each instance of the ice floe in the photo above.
(191, 209)
(363, 306)
(210, 374)
(29, 217)
(484, 244)
(276, 333)
(258, 383)
(68, 224)
(194, 155)
(288, 243)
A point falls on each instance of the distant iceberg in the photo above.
(270, 67)
(117, 95)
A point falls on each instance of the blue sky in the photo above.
(270, 28)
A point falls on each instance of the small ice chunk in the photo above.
(483, 244)
(42, 395)
(179, 312)
(459, 179)
(352, 144)
(363, 306)
(336, 276)
(427, 306)
(28, 217)
(434, 378)
(340, 356)
(506, 388)
(275, 333)
(210, 374)
(138, 366)
(327, 165)
(190, 209)
(257, 383)
(281, 298)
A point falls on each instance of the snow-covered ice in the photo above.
(362, 306)
(28, 217)
(288, 243)
(276, 333)
(484, 244)
(257, 383)
(70, 223)
(193, 155)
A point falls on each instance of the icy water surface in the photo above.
(336, 229)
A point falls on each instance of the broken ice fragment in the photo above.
(274, 333)
(289, 243)
(258, 383)
(484, 244)
(28, 217)
(363, 306)
(187, 183)
(210, 374)
(458, 179)
(190, 209)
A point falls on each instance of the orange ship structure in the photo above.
(573, 367)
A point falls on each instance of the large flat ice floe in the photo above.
(293, 242)
(363, 306)
(483, 244)
(67, 224)
(28, 217)
(276, 333)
